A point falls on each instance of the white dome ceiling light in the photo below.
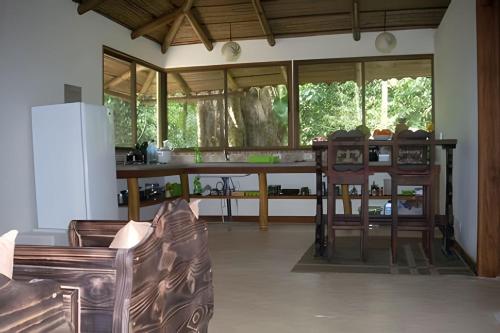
(231, 51)
(385, 41)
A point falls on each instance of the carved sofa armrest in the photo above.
(35, 306)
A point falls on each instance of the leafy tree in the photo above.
(324, 108)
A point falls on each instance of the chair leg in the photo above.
(430, 242)
(394, 245)
(331, 242)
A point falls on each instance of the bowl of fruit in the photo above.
(384, 134)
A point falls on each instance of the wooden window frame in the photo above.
(162, 110)
(291, 66)
(225, 67)
(363, 61)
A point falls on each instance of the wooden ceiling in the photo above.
(179, 22)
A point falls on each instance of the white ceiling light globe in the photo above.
(231, 51)
(385, 42)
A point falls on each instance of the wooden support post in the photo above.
(346, 199)
(134, 203)
(185, 186)
(170, 35)
(488, 83)
(264, 23)
(88, 6)
(263, 204)
(199, 30)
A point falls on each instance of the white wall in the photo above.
(45, 44)
(317, 47)
(456, 111)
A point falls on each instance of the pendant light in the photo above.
(385, 41)
(231, 50)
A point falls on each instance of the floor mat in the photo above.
(411, 259)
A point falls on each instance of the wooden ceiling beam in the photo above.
(264, 23)
(88, 5)
(356, 31)
(284, 73)
(148, 82)
(170, 35)
(122, 77)
(182, 83)
(156, 23)
(231, 82)
(199, 30)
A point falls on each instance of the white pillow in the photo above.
(130, 235)
(194, 205)
(7, 244)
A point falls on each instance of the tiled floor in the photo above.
(256, 292)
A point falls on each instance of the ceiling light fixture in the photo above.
(385, 41)
(231, 50)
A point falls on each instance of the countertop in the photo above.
(155, 170)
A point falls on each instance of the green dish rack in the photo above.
(269, 159)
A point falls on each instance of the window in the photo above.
(257, 107)
(196, 109)
(147, 104)
(330, 98)
(117, 97)
(247, 106)
(253, 113)
(398, 90)
(131, 91)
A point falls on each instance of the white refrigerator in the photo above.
(74, 160)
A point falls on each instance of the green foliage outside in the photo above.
(410, 99)
(122, 119)
(146, 120)
(183, 120)
(280, 111)
(324, 108)
(182, 124)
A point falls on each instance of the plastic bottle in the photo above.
(388, 208)
(151, 150)
(197, 155)
(197, 189)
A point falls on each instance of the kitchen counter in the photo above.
(158, 170)
(133, 172)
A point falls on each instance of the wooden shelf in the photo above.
(147, 203)
(385, 197)
(194, 196)
(292, 197)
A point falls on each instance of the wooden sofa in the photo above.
(35, 306)
(163, 284)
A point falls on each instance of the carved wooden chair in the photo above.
(35, 306)
(163, 284)
(347, 161)
(413, 165)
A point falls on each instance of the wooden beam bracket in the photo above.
(264, 23)
(88, 6)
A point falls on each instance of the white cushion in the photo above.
(194, 205)
(130, 235)
(7, 244)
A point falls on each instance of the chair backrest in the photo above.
(93, 233)
(413, 152)
(347, 151)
